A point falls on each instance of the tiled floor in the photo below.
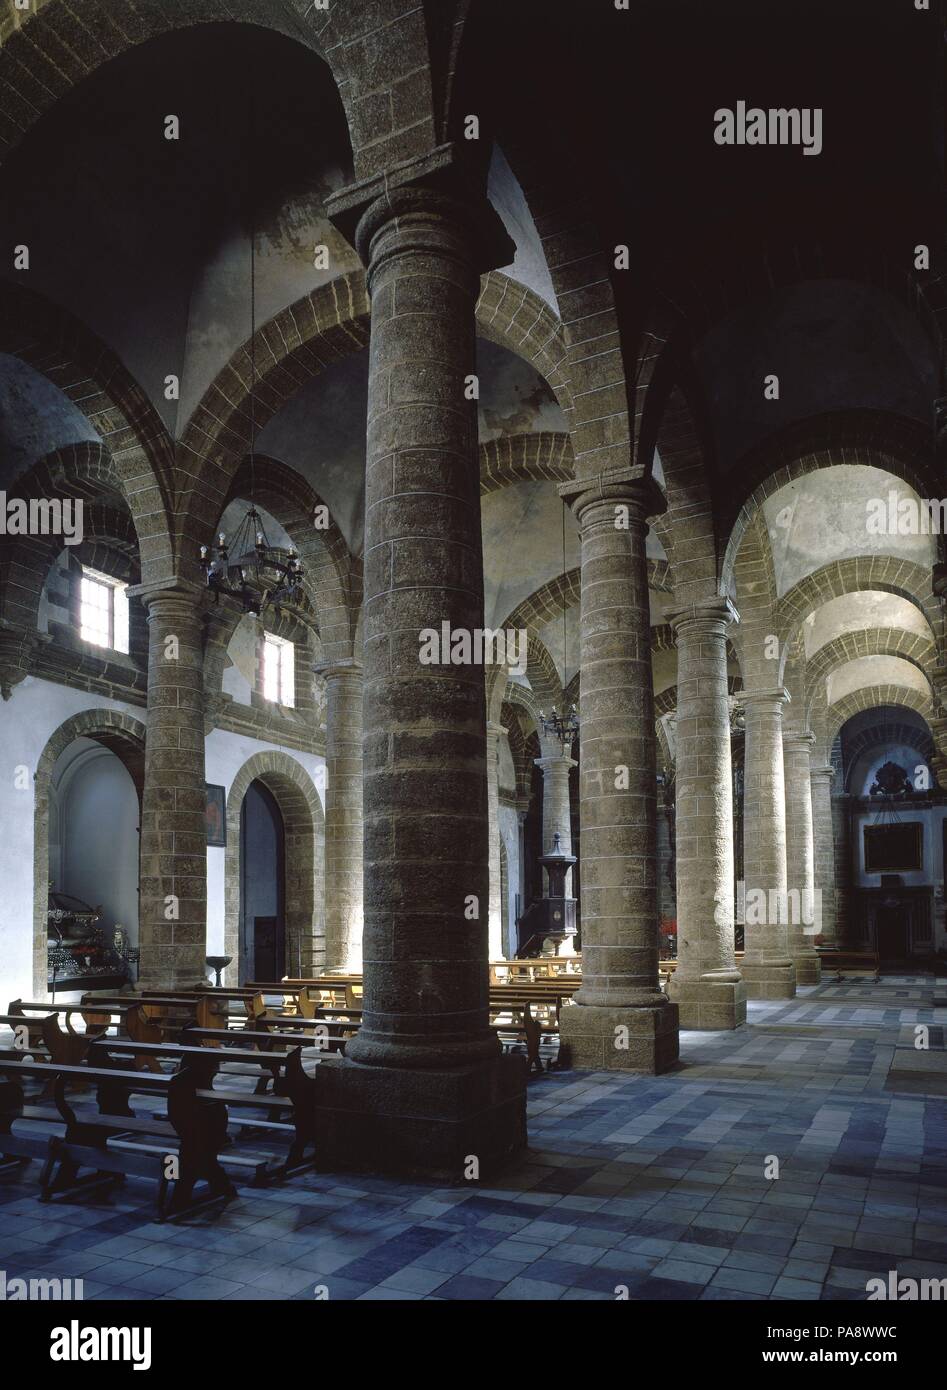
(656, 1186)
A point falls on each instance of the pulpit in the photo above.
(548, 924)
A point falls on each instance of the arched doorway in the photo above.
(262, 886)
(293, 793)
(87, 815)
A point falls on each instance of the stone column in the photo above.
(667, 905)
(824, 842)
(557, 815)
(937, 724)
(620, 1020)
(767, 966)
(800, 857)
(495, 920)
(343, 914)
(706, 985)
(424, 1086)
(173, 906)
(842, 827)
(522, 811)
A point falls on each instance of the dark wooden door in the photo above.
(262, 887)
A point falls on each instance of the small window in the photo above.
(279, 673)
(103, 611)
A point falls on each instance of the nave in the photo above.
(653, 1184)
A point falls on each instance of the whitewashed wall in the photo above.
(28, 719)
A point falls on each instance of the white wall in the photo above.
(99, 821)
(28, 719)
(509, 834)
(33, 713)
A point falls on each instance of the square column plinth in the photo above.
(596, 1037)
(415, 1122)
(769, 979)
(710, 1002)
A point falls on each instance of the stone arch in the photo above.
(886, 573)
(122, 735)
(302, 340)
(869, 438)
(875, 735)
(869, 697)
(520, 458)
(85, 34)
(875, 641)
(522, 698)
(512, 721)
(515, 317)
(82, 472)
(298, 343)
(304, 830)
(133, 438)
(665, 756)
(688, 529)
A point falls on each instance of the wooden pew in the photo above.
(528, 1028)
(115, 1142)
(324, 1035)
(288, 1113)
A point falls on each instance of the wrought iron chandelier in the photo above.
(250, 569)
(563, 727)
(259, 573)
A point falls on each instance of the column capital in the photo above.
(549, 764)
(447, 168)
(793, 738)
(710, 617)
(411, 200)
(594, 499)
(331, 670)
(170, 591)
(778, 695)
(823, 774)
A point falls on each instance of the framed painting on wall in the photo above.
(215, 815)
(893, 848)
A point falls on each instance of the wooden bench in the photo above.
(326, 1034)
(290, 1108)
(181, 1151)
(529, 1028)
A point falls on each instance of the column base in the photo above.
(420, 1123)
(715, 1000)
(769, 979)
(590, 1040)
(808, 968)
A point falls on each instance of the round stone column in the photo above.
(557, 813)
(423, 1086)
(804, 911)
(707, 986)
(842, 827)
(173, 911)
(767, 969)
(495, 919)
(667, 892)
(824, 848)
(620, 1018)
(343, 914)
